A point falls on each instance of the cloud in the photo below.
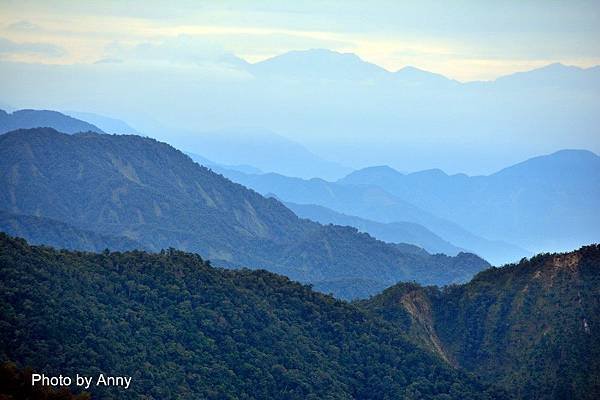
(181, 49)
(9, 47)
(109, 61)
(24, 26)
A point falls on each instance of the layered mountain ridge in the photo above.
(149, 192)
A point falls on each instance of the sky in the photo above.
(464, 40)
(179, 69)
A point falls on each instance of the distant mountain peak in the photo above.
(381, 168)
(567, 161)
(318, 64)
(554, 74)
(433, 172)
(317, 53)
(418, 75)
(574, 152)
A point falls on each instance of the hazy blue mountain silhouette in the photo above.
(346, 110)
(395, 232)
(547, 202)
(220, 168)
(24, 119)
(107, 124)
(317, 64)
(261, 149)
(374, 203)
(554, 75)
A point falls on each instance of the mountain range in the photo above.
(341, 108)
(151, 193)
(397, 232)
(372, 203)
(544, 203)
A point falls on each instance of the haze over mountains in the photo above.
(24, 119)
(394, 232)
(542, 204)
(373, 203)
(338, 106)
(545, 203)
(262, 149)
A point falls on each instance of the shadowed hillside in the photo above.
(533, 327)
(183, 329)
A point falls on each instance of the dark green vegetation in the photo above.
(39, 230)
(15, 384)
(157, 196)
(24, 119)
(533, 327)
(184, 329)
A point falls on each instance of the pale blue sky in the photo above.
(465, 40)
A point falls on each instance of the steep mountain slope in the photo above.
(39, 230)
(154, 194)
(395, 232)
(24, 119)
(375, 204)
(533, 327)
(547, 202)
(182, 329)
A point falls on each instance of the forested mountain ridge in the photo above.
(126, 185)
(183, 329)
(533, 327)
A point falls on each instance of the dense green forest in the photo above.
(127, 185)
(184, 329)
(533, 327)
